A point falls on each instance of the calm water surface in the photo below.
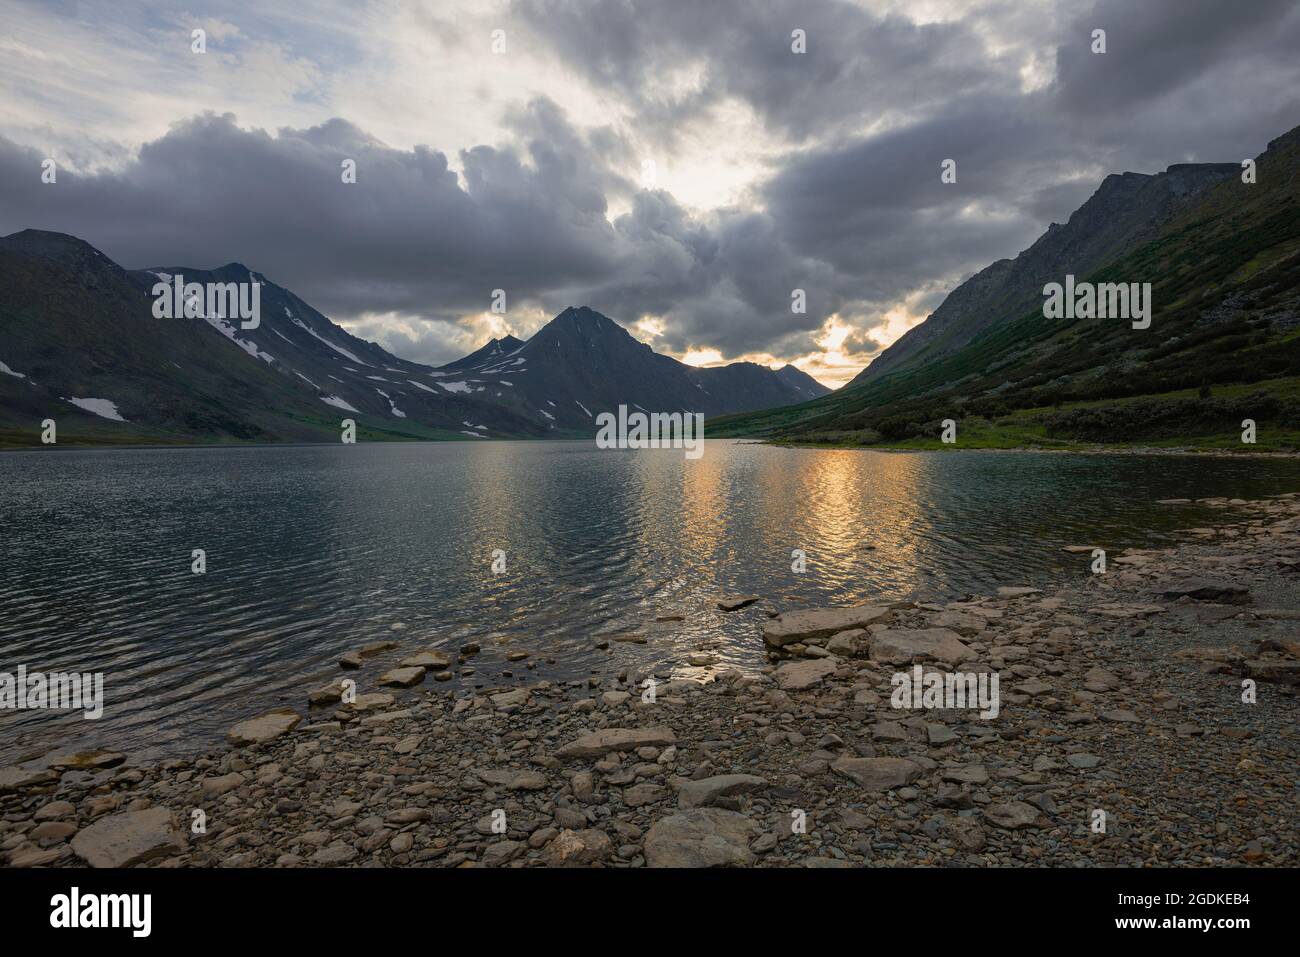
(312, 551)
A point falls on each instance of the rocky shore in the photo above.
(1149, 715)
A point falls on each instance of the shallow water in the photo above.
(315, 550)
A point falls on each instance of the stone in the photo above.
(966, 625)
(1206, 589)
(502, 852)
(508, 700)
(402, 677)
(640, 794)
(705, 791)
(52, 832)
(332, 693)
(88, 760)
(1082, 760)
(737, 602)
(940, 734)
(814, 624)
(263, 728)
(336, 853)
(1012, 815)
(971, 774)
(577, 848)
(129, 838)
(430, 660)
(56, 811)
(798, 675)
(215, 787)
(898, 646)
(700, 837)
(1120, 716)
(513, 780)
(599, 743)
(878, 774)
(1017, 591)
(16, 778)
(849, 644)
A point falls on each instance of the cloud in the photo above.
(777, 171)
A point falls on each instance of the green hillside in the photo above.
(1224, 344)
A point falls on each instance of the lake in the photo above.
(315, 550)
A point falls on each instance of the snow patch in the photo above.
(104, 408)
(338, 403)
(8, 371)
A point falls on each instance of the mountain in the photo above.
(1127, 210)
(495, 350)
(582, 363)
(1223, 259)
(82, 346)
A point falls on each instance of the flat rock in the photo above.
(599, 743)
(878, 774)
(797, 675)
(572, 848)
(737, 602)
(88, 760)
(332, 693)
(515, 698)
(1012, 815)
(898, 646)
(705, 791)
(814, 624)
(430, 660)
(215, 787)
(1205, 589)
(700, 837)
(263, 728)
(14, 778)
(127, 839)
(640, 794)
(402, 677)
(1017, 591)
(513, 780)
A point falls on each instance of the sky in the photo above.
(677, 165)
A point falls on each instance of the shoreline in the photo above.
(1115, 697)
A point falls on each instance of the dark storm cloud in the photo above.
(406, 236)
(857, 65)
(853, 212)
(1157, 47)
